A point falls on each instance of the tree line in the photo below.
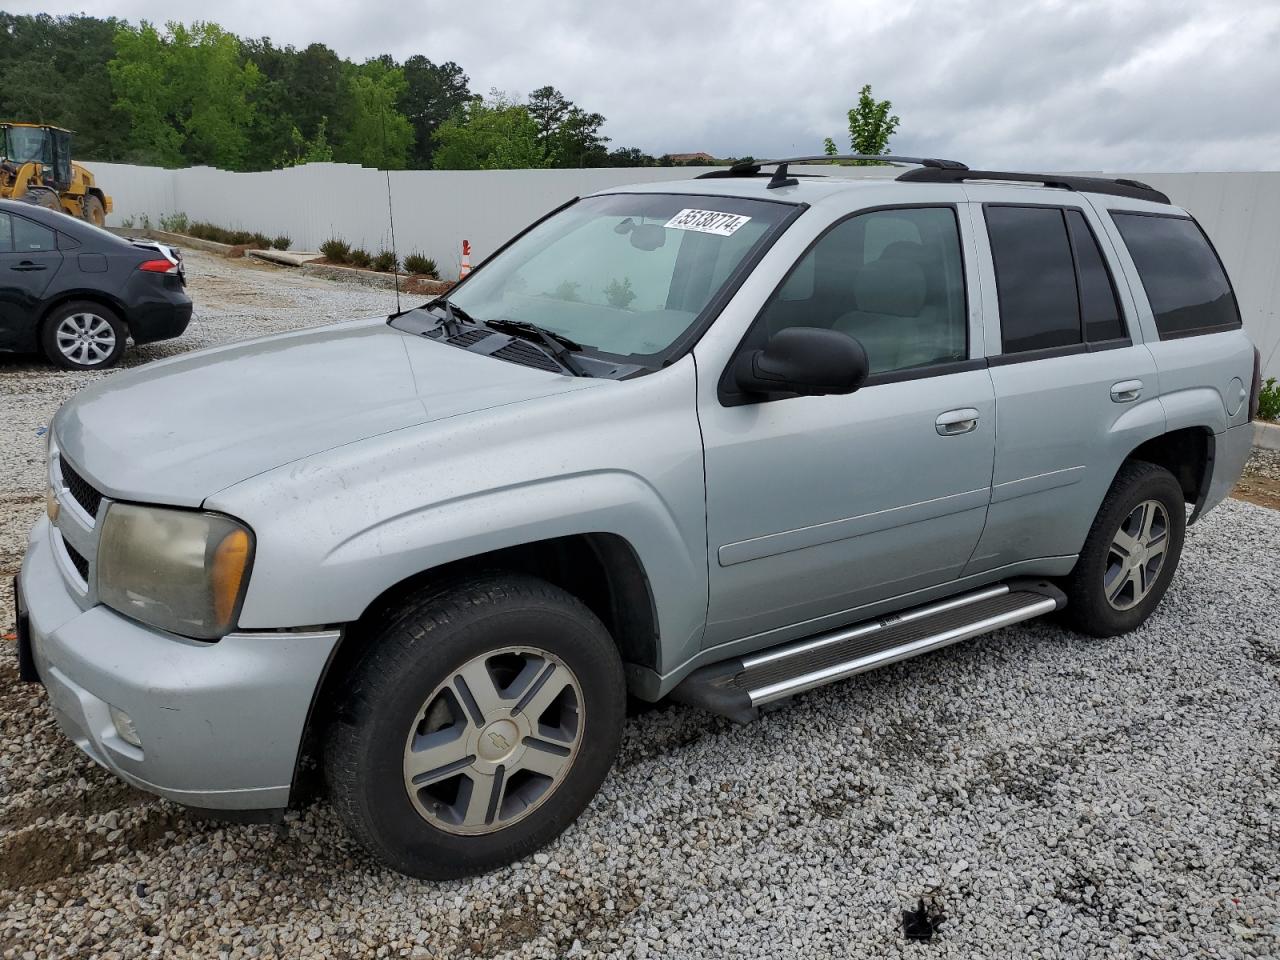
(197, 94)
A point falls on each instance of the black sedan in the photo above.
(76, 293)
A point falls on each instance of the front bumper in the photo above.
(220, 723)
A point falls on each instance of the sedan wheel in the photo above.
(85, 339)
(83, 336)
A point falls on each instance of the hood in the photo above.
(180, 430)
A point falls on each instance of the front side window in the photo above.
(892, 279)
(1186, 286)
(624, 274)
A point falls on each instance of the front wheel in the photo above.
(1130, 554)
(479, 726)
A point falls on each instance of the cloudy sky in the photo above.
(1117, 85)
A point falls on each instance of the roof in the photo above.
(27, 123)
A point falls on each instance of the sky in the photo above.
(1118, 85)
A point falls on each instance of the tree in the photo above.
(629, 157)
(829, 147)
(375, 133)
(433, 92)
(569, 135)
(186, 93)
(317, 87)
(492, 134)
(870, 124)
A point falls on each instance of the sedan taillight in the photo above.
(159, 266)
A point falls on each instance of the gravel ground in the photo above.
(1055, 796)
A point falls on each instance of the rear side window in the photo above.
(1185, 283)
(6, 234)
(29, 237)
(1035, 278)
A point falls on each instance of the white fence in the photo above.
(436, 210)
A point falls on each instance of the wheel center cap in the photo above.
(498, 740)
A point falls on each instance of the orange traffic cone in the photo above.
(466, 259)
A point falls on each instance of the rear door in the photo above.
(29, 258)
(1074, 386)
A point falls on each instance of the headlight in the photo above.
(179, 570)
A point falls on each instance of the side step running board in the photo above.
(737, 688)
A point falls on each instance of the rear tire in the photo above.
(93, 211)
(83, 335)
(478, 726)
(1131, 552)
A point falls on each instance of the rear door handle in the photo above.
(955, 422)
(1126, 391)
(26, 266)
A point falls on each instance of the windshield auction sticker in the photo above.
(707, 221)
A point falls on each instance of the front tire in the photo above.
(480, 724)
(1131, 553)
(82, 335)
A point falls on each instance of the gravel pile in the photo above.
(1055, 796)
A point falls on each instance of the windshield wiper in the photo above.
(452, 314)
(557, 344)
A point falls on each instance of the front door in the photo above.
(819, 505)
(29, 258)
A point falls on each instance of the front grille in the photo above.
(77, 561)
(80, 489)
(519, 351)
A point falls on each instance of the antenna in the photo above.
(391, 217)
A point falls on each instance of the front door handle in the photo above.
(1126, 391)
(955, 422)
(27, 266)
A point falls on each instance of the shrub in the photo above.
(175, 223)
(359, 257)
(1269, 401)
(282, 242)
(261, 241)
(385, 261)
(421, 266)
(336, 251)
(619, 294)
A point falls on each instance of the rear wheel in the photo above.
(481, 723)
(93, 211)
(82, 335)
(1131, 552)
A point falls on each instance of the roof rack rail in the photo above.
(1133, 189)
(751, 168)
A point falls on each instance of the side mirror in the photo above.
(809, 361)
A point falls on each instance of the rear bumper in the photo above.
(220, 723)
(1231, 450)
(158, 308)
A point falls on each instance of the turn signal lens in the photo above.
(51, 505)
(230, 558)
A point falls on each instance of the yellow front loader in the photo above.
(36, 167)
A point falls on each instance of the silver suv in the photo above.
(724, 440)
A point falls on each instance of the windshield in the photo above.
(624, 274)
(27, 144)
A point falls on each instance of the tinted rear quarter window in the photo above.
(1186, 286)
(1035, 278)
(6, 234)
(30, 237)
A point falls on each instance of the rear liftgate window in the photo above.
(1186, 286)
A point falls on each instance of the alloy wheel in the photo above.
(494, 740)
(85, 339)
(1136, 555)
